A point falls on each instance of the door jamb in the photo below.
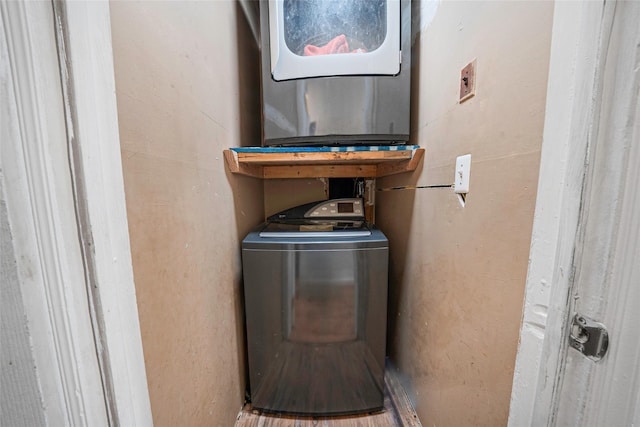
(574, 68)
(101, 222)
(86, 62)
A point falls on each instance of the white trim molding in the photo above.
(607, 251)
(579, 30)
(86, 60)
(40, 209)
(60, 160)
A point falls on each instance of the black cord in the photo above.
(415, 187)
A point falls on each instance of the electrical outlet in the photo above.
(463, 169)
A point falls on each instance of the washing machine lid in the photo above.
(315, 228)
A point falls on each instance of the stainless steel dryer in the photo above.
(315, 286)
(335, 71)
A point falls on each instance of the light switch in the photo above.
(467, 81)
(463, 169)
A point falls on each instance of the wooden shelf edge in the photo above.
(231, 159)
(337, 166)
(324, 158)
(386, 169)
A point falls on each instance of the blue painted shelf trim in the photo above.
(336, 149)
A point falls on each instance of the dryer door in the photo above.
(317, 38)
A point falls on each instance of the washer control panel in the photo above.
(336, 208)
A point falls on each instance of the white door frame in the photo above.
(579, 47)
(607, 271)
(61, 165)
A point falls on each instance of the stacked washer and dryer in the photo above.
(334, 72)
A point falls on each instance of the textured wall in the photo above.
(458, 274)
(187, 88)
(20, 399)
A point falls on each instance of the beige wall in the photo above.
(185, 94)
(281, 194)
(458, 274)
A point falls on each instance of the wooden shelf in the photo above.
(323, 162)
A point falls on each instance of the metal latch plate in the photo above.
(589, 337)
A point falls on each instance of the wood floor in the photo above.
(397, 412)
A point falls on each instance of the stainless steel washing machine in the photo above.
(315, 288)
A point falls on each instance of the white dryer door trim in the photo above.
(286, 65)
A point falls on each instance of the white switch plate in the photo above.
(463, 169)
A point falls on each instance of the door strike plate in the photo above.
(589, 337)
